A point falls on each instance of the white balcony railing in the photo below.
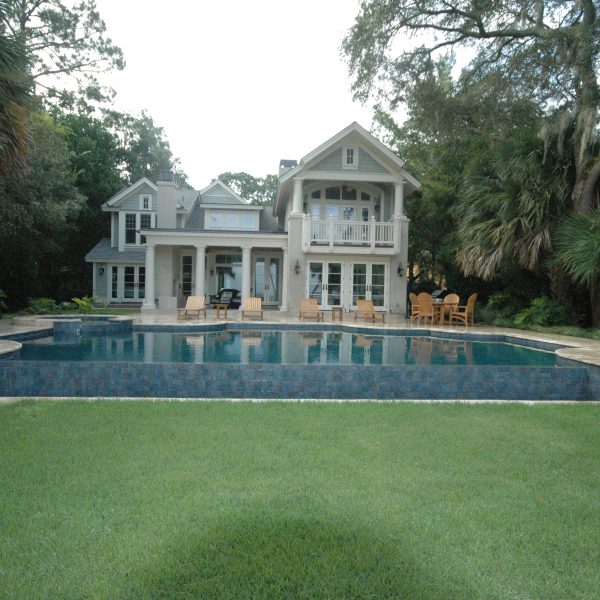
(350, 233)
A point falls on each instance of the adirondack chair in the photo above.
(194, 304)
(252, 308)
(365, 310)
(309, 309)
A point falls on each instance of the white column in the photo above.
(399, 199)
(200, 270)
(246, 271)
(149, 301)
(121, 231)
(297, 196)
(284, 281)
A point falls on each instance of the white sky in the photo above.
(236, 84)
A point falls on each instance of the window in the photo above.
(348, 193)
(247, 221)
(315, 211)
(216, 220)
(232, 221)
(145, 202)
(332, 193)
(145, 223)
(115, 283)
(130, 219)
(350, 157)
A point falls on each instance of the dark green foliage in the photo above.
(542, 311)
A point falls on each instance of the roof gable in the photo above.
(219, 193)
(126, 192)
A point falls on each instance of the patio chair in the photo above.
(465, 314)
(309, 309)
(425, 303)
(365, 310)
(252, 308)
(414, 305)
(194, 304)
(451, 302)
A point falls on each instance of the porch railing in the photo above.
(353, 233)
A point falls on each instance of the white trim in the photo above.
(144, 197)
(354, 163)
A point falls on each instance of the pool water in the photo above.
(283, 347)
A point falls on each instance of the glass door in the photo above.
(134, 283)
(369, 281)
(267, 279)
(325, 283)
(187, 268)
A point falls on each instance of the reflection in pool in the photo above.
(284, 347)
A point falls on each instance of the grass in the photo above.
(219, 500)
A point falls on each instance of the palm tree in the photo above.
(512, 199)
(15, 97)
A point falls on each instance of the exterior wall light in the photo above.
(401, 270)
(100, 271)
(297, 267)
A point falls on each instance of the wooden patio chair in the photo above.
(465, 314)
(425, 303)
(194, 304)
(252, 308)
(309, 309)
(365, 310)
(451, 302)
(414, 304)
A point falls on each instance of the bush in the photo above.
(41, 306)
(501, 309)
(542, 311)
(85, 304)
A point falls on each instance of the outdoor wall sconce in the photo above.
(100, 271)
(400, 270)
(297, 267)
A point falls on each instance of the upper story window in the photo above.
(349, 157)
(130, 228)
(247, 221)
(145, 223)
(145, 202)
(216, 221)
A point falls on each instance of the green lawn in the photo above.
(204, 500)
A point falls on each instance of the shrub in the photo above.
(85, 304)
(41, 306)
(542, 311)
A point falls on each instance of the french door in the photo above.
(187, 270)
(325, 283)
(369, 281)
(134, 283)
(267, 278)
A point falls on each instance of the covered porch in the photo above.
(182, 265)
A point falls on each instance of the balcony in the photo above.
(336, 236)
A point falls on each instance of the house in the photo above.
(336, 232)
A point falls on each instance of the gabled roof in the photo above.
(218, 184)
(128, 190)
(332, 142)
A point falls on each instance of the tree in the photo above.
(35, 214)
(258, 190)
(548, 49)
(145, 149)
(62, 40)
(15, 98)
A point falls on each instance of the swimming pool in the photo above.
(332, 362)
(255, 346)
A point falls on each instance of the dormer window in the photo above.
(349, 157)
(145, 202)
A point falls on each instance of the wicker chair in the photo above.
(414, 305)
(252, 308)
(451, 302)
(309, 309)
(194, 304)
(465, 314)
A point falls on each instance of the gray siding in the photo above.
(101, 281)
(366, 163)
(115, 228)
(132, 202)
